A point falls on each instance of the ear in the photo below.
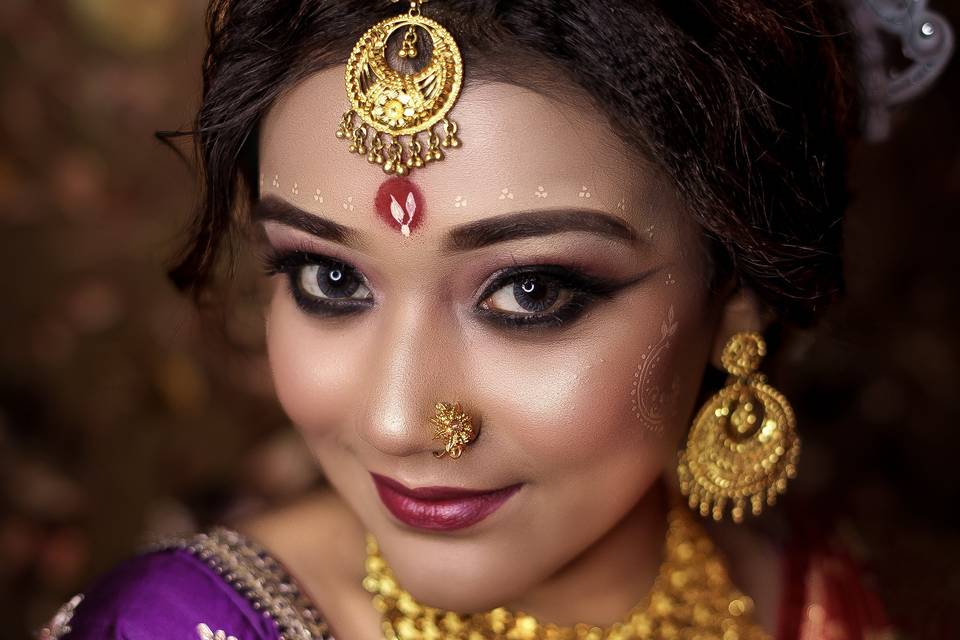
(741, 311)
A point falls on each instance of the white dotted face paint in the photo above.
(537, 192)
(652, 399)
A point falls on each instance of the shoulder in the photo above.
(189, 588)
(318, 535)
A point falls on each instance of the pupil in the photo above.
(337, 282)
(534, 295)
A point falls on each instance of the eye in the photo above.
(542, 295)
(528, 294)
(321, 285)
(333, 281)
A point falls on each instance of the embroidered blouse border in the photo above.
(257, 576)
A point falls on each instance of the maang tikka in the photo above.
(402, 111)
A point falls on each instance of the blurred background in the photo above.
(125, 415)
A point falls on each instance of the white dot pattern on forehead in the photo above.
(537, 192)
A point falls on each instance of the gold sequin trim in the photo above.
(257, 576)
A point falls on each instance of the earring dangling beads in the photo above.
(453, 427)
(743, 446)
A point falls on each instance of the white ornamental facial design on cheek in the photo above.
(652, 401)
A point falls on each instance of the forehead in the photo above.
(520, 148)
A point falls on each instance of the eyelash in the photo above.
(582, 290)
(291, 263)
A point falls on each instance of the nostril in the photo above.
(397, 437)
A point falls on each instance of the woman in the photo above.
(585, 215)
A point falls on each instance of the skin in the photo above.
(582, 540)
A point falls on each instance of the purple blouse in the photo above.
(210, 586)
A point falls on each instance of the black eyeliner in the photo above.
(586, 290)
(289, 263)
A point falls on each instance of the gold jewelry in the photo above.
(400, 106)
(454, 427)
(692, 597)
(743, 444)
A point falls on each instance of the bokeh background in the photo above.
(125, 414)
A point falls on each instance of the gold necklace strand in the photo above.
(692, 598)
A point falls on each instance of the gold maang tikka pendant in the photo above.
(453, 427)
(399, 120)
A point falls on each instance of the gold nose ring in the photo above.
(453, 427)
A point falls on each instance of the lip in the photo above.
(439, 508)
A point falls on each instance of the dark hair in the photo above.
(747, 105)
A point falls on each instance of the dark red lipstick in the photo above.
(439, 508)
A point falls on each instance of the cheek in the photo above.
(600, 404)
(311, 369)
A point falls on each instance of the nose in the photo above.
(409, 372)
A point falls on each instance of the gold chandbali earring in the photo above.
(398, 107)
(453, 427)
(743, 445)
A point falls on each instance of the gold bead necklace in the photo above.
(692, 598)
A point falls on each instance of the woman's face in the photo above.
(549, 282)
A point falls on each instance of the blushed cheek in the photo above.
(559, 410)
(576, 409)
(312, 374)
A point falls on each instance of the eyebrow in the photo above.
(466, 237)
(274, 209)
(539, 222)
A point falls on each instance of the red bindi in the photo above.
(400, 204)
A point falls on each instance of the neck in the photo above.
(602, 584)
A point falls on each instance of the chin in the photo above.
(456, 574)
